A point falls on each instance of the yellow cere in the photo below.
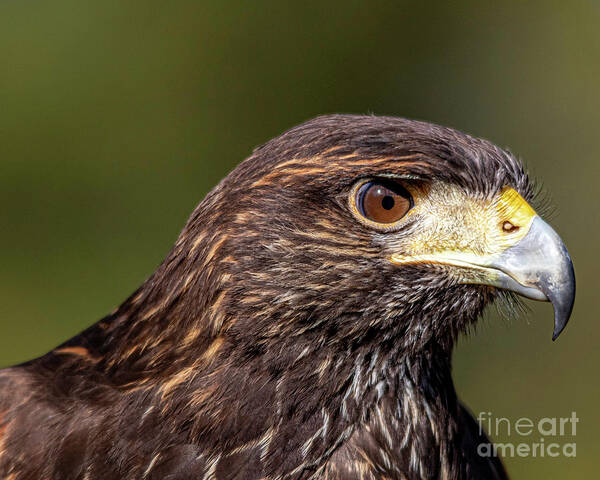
(456, 227)
(512, 207)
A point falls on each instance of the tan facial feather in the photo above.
(451, 220)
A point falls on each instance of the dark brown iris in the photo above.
(382, 201)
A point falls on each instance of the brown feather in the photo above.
(274, 341)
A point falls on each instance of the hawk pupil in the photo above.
(388, 202)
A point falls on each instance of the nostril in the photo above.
(509, 227)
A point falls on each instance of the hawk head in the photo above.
(359, 228)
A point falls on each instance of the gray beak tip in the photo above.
(563, 301)
(562, 295)
(557, 330)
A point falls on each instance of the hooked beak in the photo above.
(534, 263)
(538, 267)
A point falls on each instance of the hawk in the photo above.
(303, 324)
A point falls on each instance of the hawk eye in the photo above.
(382, 201)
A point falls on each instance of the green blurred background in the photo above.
(116, 118)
